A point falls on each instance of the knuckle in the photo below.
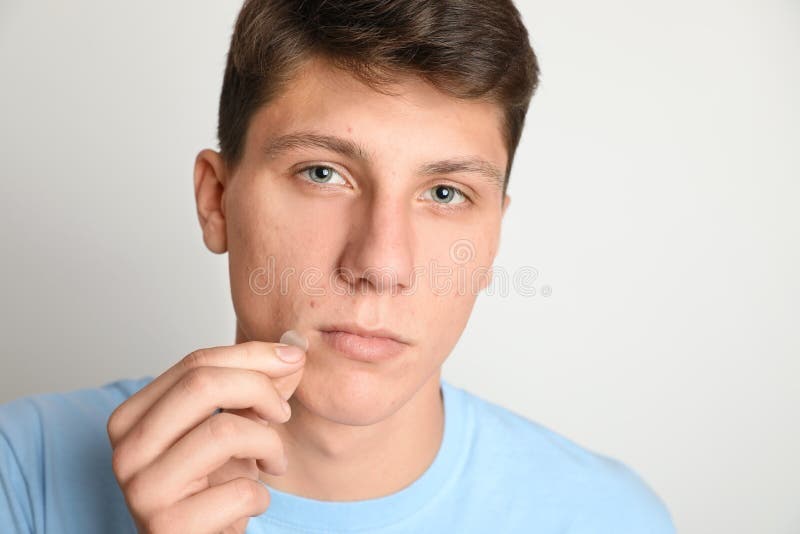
(238, 527)
(196, 358)
(223, 425)
(197, 381)
(135, 492)
(126, 452)
(252, 348)
(245, 492)
(113, 425)
(250, 493)
(119, 461)
(159, 523)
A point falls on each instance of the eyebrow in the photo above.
(309, 139)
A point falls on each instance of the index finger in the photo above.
(254, 355)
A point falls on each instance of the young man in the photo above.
(359, 141)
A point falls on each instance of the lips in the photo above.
(358, 330)
(362, 344)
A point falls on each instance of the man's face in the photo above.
(306, 225)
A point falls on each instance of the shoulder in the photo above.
(42, 415)
(55, 458)
(30, 424)
(592, 492)
(620, 501)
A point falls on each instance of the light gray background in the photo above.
(655, 192)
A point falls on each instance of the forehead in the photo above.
(417, 121)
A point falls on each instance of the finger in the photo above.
(239, 527)
(250, 414)
(238, 467)
(214, 509)
(192, 399)
(286, 385)
(174, 475)
(233, 468)
(254, 355)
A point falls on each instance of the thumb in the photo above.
(286, 385)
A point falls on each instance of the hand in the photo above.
(183, 468)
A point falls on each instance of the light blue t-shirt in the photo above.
(495, 472)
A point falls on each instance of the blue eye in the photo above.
(321, 174)
(446, 194)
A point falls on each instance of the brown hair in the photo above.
(469, 49)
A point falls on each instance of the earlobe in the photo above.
(209, 188)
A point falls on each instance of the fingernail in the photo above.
(289, 353)
(293, 337)
(286, 408)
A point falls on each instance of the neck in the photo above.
(330, 461)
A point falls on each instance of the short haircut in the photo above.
(469, 49)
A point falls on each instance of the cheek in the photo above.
(447, 316)
(259, 256)
(273, 244)
(447, 291)
(456, 267)
(273, 221)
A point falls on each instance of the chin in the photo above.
(349, 396)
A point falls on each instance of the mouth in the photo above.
(362, 344)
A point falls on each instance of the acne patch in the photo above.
(293, 337)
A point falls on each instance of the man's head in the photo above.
(469, 49)
(365, 148)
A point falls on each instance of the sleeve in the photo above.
(623, 504)
(16, 514)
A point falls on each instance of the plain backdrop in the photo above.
(655, 192)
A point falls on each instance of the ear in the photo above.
(209, 193)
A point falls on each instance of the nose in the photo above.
(379, 249)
